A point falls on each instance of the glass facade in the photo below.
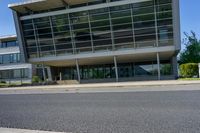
(10, 58)
(130, 26)
(5, 44)
(107, 71)
(14, 74)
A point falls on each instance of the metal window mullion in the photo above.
(36, 41)
(133, 27)
(111, 30)
(53, 38)
(156, 23)
(90, 27)
(72, 35)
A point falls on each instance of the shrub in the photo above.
(189, 70)
(3, 82)
(36, 79)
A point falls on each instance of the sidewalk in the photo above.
(11, 130)
(104, 85)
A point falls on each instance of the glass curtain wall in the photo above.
(6, 44)
(142, 24)
(9, 58)
(14, 74)
(107, 71)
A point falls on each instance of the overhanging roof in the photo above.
(8, 38)
(39, 5)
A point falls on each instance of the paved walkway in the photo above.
(11, 130)
(172, 85)
(102, 85)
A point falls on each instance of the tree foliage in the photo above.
(191, 53)
(189, 70)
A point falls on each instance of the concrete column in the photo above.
(30, 71)
(158, 66)
(60, 76)
(175, 66)
(43, 71)
(116, 69)
(199, 70)
(49, 74)
(78, 71)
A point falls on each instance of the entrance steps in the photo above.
(67, 82)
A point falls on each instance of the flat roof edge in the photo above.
(7, 36)
(24, 3)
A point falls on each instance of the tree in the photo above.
(191, 54)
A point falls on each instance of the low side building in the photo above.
(100, 40)
(12, 69)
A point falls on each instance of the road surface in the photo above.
(109, 112)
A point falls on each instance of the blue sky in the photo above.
(190, 17)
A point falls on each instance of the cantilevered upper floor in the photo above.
(64, 30)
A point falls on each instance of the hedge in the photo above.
(189, 70)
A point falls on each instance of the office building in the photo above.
(100, 40)
(12, 69)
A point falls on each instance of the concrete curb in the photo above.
(13, 130)
(103, 85)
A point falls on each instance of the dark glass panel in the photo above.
(47, 48)
(120, 14)
(101, 36)
(102, 42)
(144, 69)
(122, 27)
(147, 24)
(61, 29)
(45, 42)
(100, 23)
(98, 11)
(99, 17)
(80, 26)
(125, 70)
(147, 31)
(143, 4)
(101, 29)
(118, 8)
(145, 17)
(28, 27)
(164, 15)
(29, 33)
(145, 38)
(163, 1)
(44, 31)
(144, 10)
(122, 20)
(123, 40)
(32, 50)
(165, 22)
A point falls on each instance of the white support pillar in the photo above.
(49, 74)
(43, 71)
(199, 70)
(158, 66)
(116, 69)
(78, 71)
(60, 75)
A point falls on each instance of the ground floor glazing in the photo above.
(109, 71)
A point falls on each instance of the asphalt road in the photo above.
(129, 112)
